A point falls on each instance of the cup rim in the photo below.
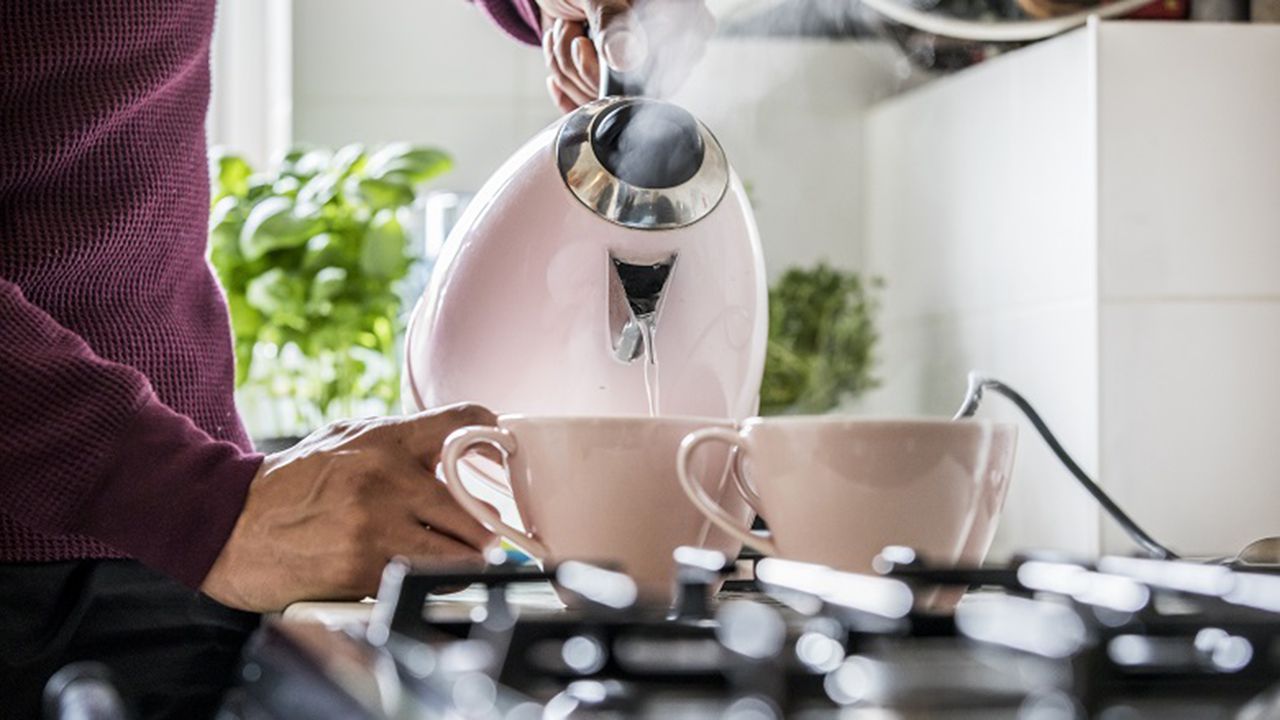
(620, 419)
(887, 422)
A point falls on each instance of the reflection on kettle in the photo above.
(616, 241)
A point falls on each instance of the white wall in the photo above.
(1095, 220)
(429, 71)
(981, 219)
(788, 112)
(1189, 273)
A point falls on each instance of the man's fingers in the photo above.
(573, 95)
(432, 505)
(577, 94)
(587, 64)
(548, 38)
(565, 34)
(557, 86)
(567, 9)
(426, 547)
(423, 434)
(558, 97)
(607, 15)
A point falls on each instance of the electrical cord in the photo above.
(973, 397)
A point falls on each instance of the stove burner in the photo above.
(1041, 635)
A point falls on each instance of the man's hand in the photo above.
(673, 32)
(323, 517)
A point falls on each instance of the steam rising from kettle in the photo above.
(615, 240)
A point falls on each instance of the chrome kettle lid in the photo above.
(641, 163)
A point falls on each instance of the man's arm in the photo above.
(86, 447)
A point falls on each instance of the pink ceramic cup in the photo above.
(604, 490)
(835, 491)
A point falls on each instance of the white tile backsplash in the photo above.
(1047, 353)
(1190, 427)
(979, 198)
(1095, 220)
(1190, 189)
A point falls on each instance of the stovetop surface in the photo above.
(1120, 638)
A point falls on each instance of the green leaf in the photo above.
(348, 159)
(346, 315)
(272, 225)
(278, 295)
(230, 175)
(319, 190)
(411, 164)
(291, 157)
(328, 283)
(228, 208)
(259, 187)
(309, 254)
(821, 340)
(305, 163)
(786, 376)
(385, 193)
(246, 321)
(383, 254)
(244, 362)
(328, 249)
(384, 330)
(286, 186)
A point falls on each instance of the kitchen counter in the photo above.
(537, 597)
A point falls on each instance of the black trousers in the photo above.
(171, 651)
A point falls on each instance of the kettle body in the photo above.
(565, 291)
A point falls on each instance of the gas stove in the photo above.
(1039, 637)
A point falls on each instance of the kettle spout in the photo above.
(635, 292)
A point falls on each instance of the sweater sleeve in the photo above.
(87, 448)
(518, 18)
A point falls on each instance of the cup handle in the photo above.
(703, 501)
(479, 472)
(740, 479)
(457, 445)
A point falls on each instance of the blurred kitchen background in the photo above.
(1094, 218)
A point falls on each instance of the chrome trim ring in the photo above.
(629, 205)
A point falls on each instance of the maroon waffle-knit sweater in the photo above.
(118, 429)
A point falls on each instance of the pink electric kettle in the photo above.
(610, 267)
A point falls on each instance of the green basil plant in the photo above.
(310, 256)
(821, 340)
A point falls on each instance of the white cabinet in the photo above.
(1096, 220)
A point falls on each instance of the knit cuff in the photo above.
(518, 18)
(172, 496)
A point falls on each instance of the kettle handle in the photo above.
(614, 83)
(617, 84)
